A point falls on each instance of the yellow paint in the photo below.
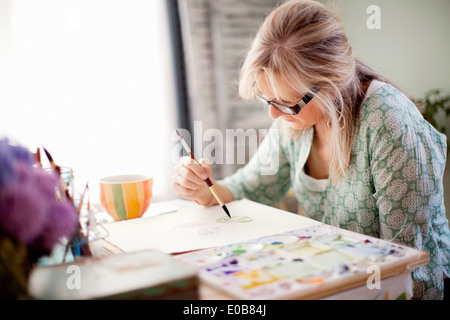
(254, 278)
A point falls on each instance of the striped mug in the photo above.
(126, 196)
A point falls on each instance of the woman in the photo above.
(356, 152)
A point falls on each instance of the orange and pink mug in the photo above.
(126, 196)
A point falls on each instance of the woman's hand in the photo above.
(188, 181)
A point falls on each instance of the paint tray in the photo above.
(310, 263)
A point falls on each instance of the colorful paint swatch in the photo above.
(252, 278)
(335, 240)
(295, 263)
(304, 249)
(329, 259)
(298, 270)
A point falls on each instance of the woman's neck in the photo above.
(322, 133)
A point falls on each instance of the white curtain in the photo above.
(90, 80)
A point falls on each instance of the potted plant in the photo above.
(434, 102)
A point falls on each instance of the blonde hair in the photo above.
(302, 45)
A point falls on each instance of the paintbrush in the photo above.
(50, 158)
(79, 242)
(86, 189)
(207, 180)
(62, 184)
(38, 157)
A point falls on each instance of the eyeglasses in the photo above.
(291, 110)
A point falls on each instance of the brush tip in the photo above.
(48, 154)
(226, 211)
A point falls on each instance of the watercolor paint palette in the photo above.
(306, 263)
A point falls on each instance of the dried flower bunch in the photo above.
(29, 210)
(33, 219)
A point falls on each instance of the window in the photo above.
(90, 80)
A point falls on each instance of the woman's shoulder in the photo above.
(387, 112)
(385, 102)
(388, 109)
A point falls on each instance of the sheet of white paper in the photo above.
(196, 227)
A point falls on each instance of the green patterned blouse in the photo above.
(393, 188)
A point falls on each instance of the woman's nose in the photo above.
(274, 112)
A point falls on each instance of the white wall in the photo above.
(412, 47)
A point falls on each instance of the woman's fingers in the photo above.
(198, 169)
(189, 177)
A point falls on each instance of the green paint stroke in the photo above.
(237, 219)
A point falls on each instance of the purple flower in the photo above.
(46, 182)
(29, 210)
(22, 154)
(61, 221)
(22, 214)
(6, 163)
(9, 155)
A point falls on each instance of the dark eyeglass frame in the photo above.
(291, 110)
